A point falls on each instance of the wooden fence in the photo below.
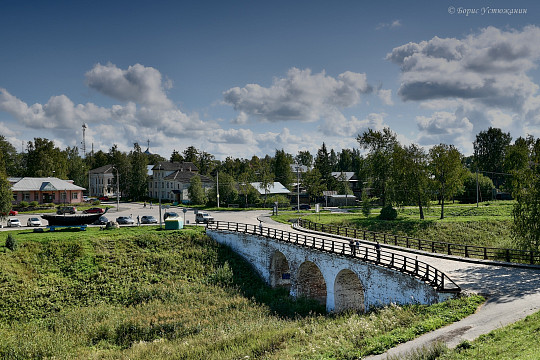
(436, 247)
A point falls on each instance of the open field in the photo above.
(141, 293)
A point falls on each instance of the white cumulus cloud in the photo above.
(141, 84)
(301, 95)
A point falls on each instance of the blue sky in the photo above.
(243, 78)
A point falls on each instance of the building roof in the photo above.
(185, 176)
(105, 169)
(301, 168)
(349, 175)
(275, 188)
(173, 166)
(44, 184)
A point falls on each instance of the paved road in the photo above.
(512, 293)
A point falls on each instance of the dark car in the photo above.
(66, 210)
(101, 221)
(302, 207)
(94, 210)
(148, 219)
(124, 220)
(170, 215)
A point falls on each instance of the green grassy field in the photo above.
(141, 293)
(488, 225)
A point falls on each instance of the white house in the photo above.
(171, 181)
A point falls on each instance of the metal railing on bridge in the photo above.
(418, 269)
(436, 247)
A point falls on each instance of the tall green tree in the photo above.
(191, 154)
(489, 153)
(6, 195)
(197, 196)
(176, 157)
(526, 212)
(304, 158)
(380, 145)
(516, 158)
(9, 159)
(266, 179)
(138, 174)
(447, 171)
(205, 163)
(43, 159)
(121, 163)
(76, 167)
(313, 183)
(410, 177)
(282, 168)
(323, 165)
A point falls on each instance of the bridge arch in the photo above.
(279, 271)
(348, 292)
(310, 282)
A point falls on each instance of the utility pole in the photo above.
(297, 188)
(476, 187)
(217, 187)
(160, 182)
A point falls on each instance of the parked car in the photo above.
(124, 220)
(11, 213)
(94, 210)
(203, 217)
(33, 222)
(101, 221)
(170, 215)
(302, 207)
(103, 198)
(13, 222)
(148, 219)
(66, 210)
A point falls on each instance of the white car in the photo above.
(13, 222)
(203, 217)
(33, 222)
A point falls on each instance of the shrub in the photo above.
(96, 202)
(366, 204)
(23, 204)
(388, 213)
(11, 243)
(34, 204)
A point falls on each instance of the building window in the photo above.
(36, 196)
(63, 196)
(74, 196)
(26, 196)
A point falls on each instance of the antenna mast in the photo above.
(83, 139)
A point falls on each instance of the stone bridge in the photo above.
(333, 273)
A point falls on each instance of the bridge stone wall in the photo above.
(336, 281)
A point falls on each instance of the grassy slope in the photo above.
(140, 293)
(488, 225)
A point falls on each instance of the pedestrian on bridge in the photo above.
(378, 249)
(353, 247)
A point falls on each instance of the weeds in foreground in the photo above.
(143, 294)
